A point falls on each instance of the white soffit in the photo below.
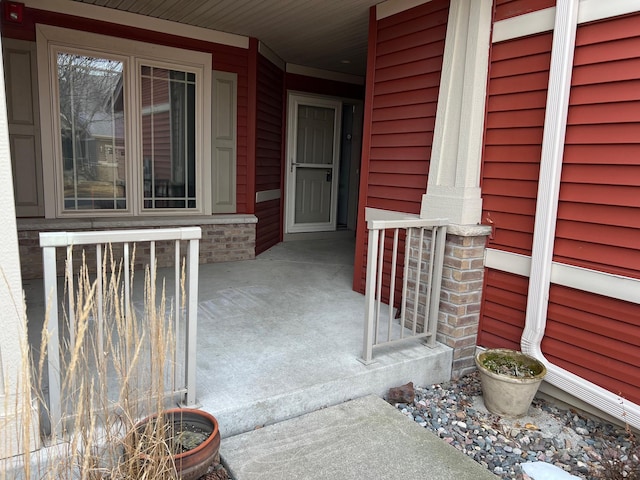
(329, 34)
(139, 21)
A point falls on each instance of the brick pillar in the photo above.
(461, 294)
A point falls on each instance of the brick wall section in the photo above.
(417, 297)
(460, 296)
(460, 293)
(219, 243)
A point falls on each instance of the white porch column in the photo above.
(453, 190)
(15, 396)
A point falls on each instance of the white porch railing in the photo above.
(186, 347)
(420, 278)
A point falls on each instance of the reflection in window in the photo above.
(92, 132)
(168, 138)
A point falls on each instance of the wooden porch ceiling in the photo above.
(326, 34)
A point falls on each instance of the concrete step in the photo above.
(364, 438)
(323, 387)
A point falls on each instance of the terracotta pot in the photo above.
(506, 395)
(191, 464)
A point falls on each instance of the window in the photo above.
(127, 130)
(91, 132)
(168, 138)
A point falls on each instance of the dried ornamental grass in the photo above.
(112, 375)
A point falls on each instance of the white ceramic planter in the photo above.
(506, 395)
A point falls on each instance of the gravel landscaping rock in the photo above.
(579, 445)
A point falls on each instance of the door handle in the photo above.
(329, 175)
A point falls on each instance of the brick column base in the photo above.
(461, 294)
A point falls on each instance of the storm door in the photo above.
(312, 164)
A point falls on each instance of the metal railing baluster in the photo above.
(49, 241)
(425, 290)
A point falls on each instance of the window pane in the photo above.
(168, 138)
(91, 100)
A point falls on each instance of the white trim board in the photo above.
(524, 25)
(272, 56)
(324, 74)
(543, 20)
(391, 7)
(592, 281)
(267, 195)
(138, 21)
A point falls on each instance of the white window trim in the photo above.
(48, 38)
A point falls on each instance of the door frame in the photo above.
(294, 99)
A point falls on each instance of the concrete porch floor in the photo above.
(280, 336)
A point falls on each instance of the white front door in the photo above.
(313, 150)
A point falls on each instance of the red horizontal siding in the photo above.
(598, 226)
(504, 303)
(409, 161)
(404, 112)
(516, 103)
(595, 337)
(420, 97)
(269, 131)
(515, 117)
(597, 214)
(627, 111)
(599, 211)
(400, 29)
(611, 29)
(269, 154)
(409, 51)
(405, 63)
(398, 49)
(509, 206)
(513, 8)
(268, 229)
